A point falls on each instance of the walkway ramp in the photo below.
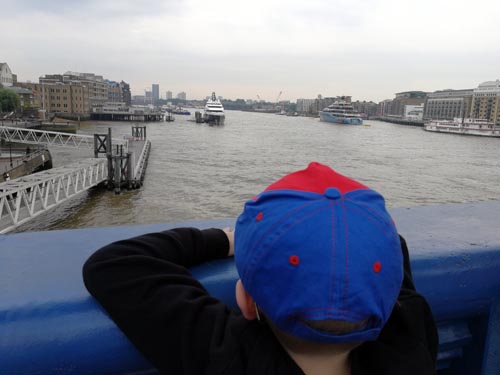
(24, 198)
(55, 139)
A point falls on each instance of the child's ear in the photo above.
(245, 302)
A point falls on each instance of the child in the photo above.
(325, 288)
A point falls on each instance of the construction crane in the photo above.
(279, 96)
(258, 97)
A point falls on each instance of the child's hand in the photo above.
(230, 236)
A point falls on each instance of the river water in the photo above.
(197, 171)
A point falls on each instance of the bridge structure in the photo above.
(24, 198)
(50, 324)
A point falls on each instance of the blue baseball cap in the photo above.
(319, 246)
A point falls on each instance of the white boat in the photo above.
(214, 111)
(466, 126)
(341, 112)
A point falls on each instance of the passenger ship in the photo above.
(214, 111)
(466, 126)
(341, 112)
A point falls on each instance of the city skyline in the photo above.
(367, 49)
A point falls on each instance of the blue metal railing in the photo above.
(50, 324)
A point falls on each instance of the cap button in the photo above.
(332, 193)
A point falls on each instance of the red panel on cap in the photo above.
(316, 178)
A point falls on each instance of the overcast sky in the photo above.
(369, 49)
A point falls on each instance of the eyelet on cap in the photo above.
(377, 267)
(259, 217)
(294, 260)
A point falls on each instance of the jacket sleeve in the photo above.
(146, 289)
(415, 311)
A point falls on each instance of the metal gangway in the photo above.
(53, 139)
(27, 197)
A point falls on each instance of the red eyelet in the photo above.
(377, 267)
(294, 260)
(259, 217)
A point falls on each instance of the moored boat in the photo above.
(465, 126)
(341, 112)
(181, 111)
(214, 111)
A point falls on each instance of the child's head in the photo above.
(320, 256)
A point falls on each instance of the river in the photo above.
(197, 171)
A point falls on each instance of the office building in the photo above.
(403, 99)
(168, 95)
(306, 105)
(114, 91)
(126, 94)
(384, 107)
(448, 104)
(148, 97)
(181, 95)
(138, 99)
(155, 89)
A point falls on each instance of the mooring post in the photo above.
(108, 141)
(110, 166)
(130, 170)
(118, 173)
(109, 156)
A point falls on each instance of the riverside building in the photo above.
(448, 104)
(70, 98)
(100, 89)
(6, 76)
(305, 105)
(403, 99)
(486, 102)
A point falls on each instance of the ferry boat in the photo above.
(466, 126)
(341, 112)
(214, 111)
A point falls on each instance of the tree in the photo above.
(9, 101)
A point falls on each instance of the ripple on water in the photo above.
(201, 172)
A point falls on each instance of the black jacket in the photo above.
(144, 284)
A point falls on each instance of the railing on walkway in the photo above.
(50, 138)
(50, 324)
(140, 167)
(27, 197)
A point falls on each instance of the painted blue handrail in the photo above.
(50, 324)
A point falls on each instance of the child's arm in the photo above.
(145, 287)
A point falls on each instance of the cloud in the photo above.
(262, 46)
(93, 8)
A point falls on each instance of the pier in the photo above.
(28, 196)
(121, 112)
(50, 323)
(398, 120)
